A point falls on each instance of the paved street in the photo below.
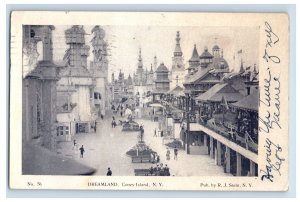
(108, 147)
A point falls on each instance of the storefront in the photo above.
(82, 127)
(63, 132)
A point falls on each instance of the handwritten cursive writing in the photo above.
(273, 160)
(272, 116)
(272, 39)
(266, 101)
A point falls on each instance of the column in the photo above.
(204, 140)
(252, 168)
(227, 160)
(238, 164)
(211, 144)
(219, 153)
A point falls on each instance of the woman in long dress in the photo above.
(168, 154)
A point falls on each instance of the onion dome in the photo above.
(206, 54)
(162, 68)
(216, 47)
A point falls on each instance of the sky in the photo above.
(125, 41)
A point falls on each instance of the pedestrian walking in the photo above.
(154, 157)
(81, 151)
(74, 144)
(162, 170)
(151, 170)
(166, 170)
(168, 154)
(155, 135)
(151, 157)
(157, 159)
(175, 153)
(142, 133)
(109, 172)
(157, 170)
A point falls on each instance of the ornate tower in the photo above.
(177, 56)
(177, 71)
(99, 69)
(139, 76)
(77, 53)
(194, 62)
(155, 63)
(100, 61)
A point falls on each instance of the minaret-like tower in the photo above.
(177, 71)
(154, 63)
(140, 60)
(177, 56)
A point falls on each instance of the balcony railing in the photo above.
(229, 131)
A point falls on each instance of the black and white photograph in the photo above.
(149, 101)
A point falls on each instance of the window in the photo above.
(67, 130)
(63, 130)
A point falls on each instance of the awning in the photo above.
(156, 105)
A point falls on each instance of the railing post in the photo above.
(238, 164)
(188, 124)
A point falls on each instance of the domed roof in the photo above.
(162, 68)
(220, 63)
(216, 47)
(206, 54)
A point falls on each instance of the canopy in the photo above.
(251, 102)
(156, 105)
(220, 91)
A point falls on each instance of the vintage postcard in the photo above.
(149, 101)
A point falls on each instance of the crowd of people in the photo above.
(160, 170)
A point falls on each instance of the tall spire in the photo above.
(195, 55)
(140, 63)
(242, 67)
(177, 51)
(155, 62)
(255, 70)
